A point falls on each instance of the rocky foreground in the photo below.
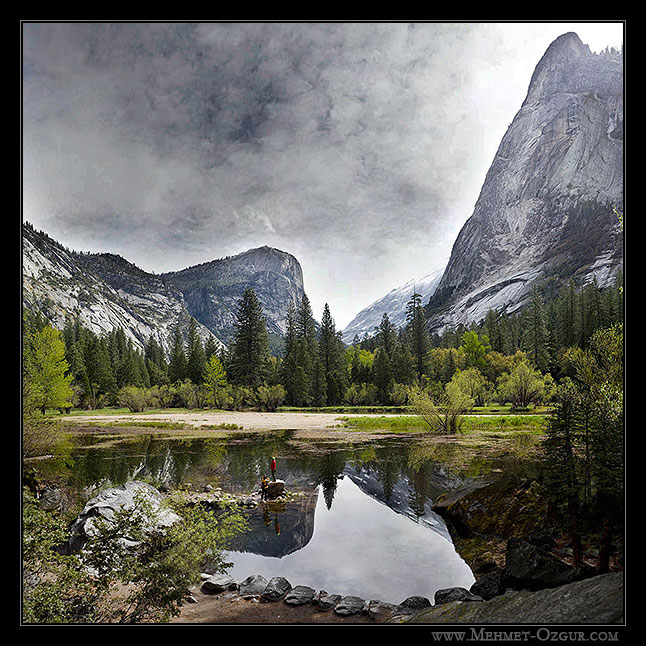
(598, 600)
(531, 586)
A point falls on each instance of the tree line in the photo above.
(515, 358)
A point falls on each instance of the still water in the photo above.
(358, 521)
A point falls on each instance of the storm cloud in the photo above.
(360, 148)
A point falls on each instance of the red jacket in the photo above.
(273, 465)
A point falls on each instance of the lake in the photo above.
(359, 519)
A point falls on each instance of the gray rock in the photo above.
(300, 595)
(219, 583)
(412, 605)
(598, 600)
(108, 502)
(488, 585)
(380, 610)
(276, 589)
(349, 605)
(276, 489)
(455, 594)
(328, 601)
(253, 585)
(528, 566)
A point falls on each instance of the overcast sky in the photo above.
(359, 148)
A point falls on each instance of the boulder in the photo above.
(349, 605)
(489, 584)
(328, 601)
(300, 595)
(530, 567)
(505, 508)
(276, 589)
(412, 605)
(380, 610)
(276, 489)
(106, 504)
(455, 594)
(598, 600)
(219, 583)
(253, 585)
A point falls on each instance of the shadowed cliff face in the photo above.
(546, 206)
(212, 290)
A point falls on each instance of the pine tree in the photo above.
(387, 335)
(382, 375)
(250, 346)
(417, 334)
(215, 377)
(210, 347)
(178, 365)
(536, 337)
(196, 360)
(331, 357)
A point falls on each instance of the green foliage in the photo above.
(522, 386)
(474, 385)
(474, 349)
(250, 345)
(442, 414)
(133, 398)
(46, 382)
(144, 579)
(417, 334)
(270, 397)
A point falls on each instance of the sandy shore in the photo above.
(247, 420)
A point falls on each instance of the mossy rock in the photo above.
(503, 508)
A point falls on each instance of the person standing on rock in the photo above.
(273, 469)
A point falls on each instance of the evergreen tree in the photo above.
(178, 364)
(288, 365)
(330, 352)
(210, 347)
(417, 334)
(250, 346)
(215, 377)
(536, 336)
(382, 375)
(196, 360)
(386, 335)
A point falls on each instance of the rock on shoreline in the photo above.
(597, 599)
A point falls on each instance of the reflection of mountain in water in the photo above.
(278, 528)
(399, 500)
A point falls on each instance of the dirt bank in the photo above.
(234, 610)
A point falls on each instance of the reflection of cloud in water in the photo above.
(362, 547)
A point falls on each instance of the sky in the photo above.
(360, 148)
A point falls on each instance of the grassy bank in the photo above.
(477, 423)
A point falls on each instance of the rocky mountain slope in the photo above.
(546, 209)
(106, 291)
(394, 304)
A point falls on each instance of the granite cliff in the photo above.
(105, 291)
(546, 209)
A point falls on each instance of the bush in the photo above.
(269, 398)
(144, 579)
(134, 398)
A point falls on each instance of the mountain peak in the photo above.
(556, 65)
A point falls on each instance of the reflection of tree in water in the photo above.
(419, 487)
(329, 470)
(388, 467)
